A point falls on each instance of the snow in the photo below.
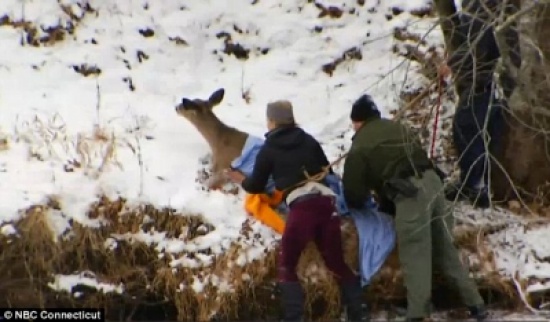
(522, 251)
(73, 138)
(8, 230)
(57, 222)
(536, 241)
(68, 282)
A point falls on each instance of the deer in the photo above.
(226, 142)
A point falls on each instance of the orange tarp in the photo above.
(260, 206)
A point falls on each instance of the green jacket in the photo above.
(382, 149)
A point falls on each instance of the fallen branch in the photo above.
(524, 299)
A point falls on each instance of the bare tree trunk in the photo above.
(525, 154)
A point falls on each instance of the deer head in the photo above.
(199, 112)
(225, 142)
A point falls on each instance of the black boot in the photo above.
(352, 300)
(292, 300)
(478, 197)
(478, 312)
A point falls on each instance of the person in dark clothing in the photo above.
(386, 157)
(289, 155)
(478, 123)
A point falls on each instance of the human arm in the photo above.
(257, 181)
(320, 155)
(354, 181)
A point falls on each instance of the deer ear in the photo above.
(216, 97)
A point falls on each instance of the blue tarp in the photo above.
(374, 228)
(245, 162)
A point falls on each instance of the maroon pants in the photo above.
(313, 219)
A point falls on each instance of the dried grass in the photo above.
(28, 263)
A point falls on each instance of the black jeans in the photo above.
(478, 127)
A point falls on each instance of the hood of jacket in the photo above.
(285, 137)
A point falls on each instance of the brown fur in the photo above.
(225, 142)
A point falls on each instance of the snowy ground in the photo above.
(74, 138)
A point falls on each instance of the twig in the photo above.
(23, 20)
(401, 112)
(242, 81)
(140, 159)
(98, 102)
(403, 62)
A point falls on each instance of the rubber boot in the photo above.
(292, 301)
(352, 300)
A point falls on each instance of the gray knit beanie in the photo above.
(280, 112)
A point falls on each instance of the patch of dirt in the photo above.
(37, 36)
(87, 70)
(147, 32)
(231, 48)
(128, 80)
(178, 41)
(141, 56)
(424, 12)
(350, 54)
(330, 11)
(236, 50)
(403, 34)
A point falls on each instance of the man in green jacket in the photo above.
(386, 157)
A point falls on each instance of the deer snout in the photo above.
(185, 105)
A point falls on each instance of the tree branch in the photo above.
(515, 17)
(446, 10)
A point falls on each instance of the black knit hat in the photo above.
(364, 108)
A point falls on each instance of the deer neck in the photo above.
(214, 132)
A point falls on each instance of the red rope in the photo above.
(436, 121)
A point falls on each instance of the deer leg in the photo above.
(218, 178)
(216, 181)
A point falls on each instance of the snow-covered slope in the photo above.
(116, 133)
(46, 105)
(88, 90)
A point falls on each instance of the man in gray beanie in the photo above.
(290, 156)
